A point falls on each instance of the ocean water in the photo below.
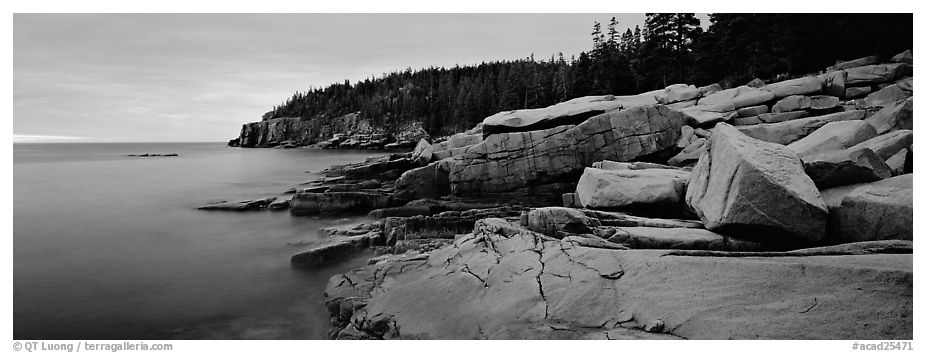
(112, 247)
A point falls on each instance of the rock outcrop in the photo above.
(505, 162)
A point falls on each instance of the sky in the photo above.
(198, 77)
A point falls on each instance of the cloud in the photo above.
(19, 138)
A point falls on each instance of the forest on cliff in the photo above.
(669, 48)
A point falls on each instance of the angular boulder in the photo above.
(888, 144)
(874, 74)
(742, 184)
(833, 136)
(894, 116)
(570, 112)
(677, 93)
(791, 103)
(505, 162)
(857, 92)
(834, 83)
(891, 94)
(821, 102)
(905, 57)
(422, 153)
(603, 189)
(431, 181)
(845, 167)
(875, 211)
(792, 130)
(841, 65)
(769, 118)
(706, 115)
(751, 111)
(799, 86)
(560, 222)
(742, 96)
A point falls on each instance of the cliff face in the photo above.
(347, 131)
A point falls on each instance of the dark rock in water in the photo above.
(505, 162)
(279, 204)
(505, 282)
(336, 250)
(153, 155)
(742, 185)
(845, 167)
(246, 205)
(347, 202)
(875, 211)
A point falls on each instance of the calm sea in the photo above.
(112, 247)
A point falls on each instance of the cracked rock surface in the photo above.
(505, 282)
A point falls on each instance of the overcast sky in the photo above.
(170, 77)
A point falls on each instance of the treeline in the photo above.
(669, 48)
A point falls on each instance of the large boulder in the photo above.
(704, 115)
(602, 189)
(431, 181)
(422, 153)
(792, 130)
(742, 96)
(894, 116)
(834, 83)
(505, 282)
(888, 144)
(505, 162)
(891, 94)
(678, 238)
(841, 65)
(844, 167)
(677, 93)
(875, 211)
(742, 184)
(874, 74)
(799, 86)
(905, 57)
(560, 222)
(768, 118)
(836, 135)
(570, 112)
(791, 103)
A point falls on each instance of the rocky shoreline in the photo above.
(765, 211)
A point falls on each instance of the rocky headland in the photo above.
(778, 210)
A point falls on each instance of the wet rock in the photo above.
(603, 189)
(799, 86)
(894, 116)
(791, 103)
(743, 96)
(347, 202)
(279, 204)
(742, 184)
(240, 206)
(506, 162)
(837, 135)
(844, 167)
(792, 130)
(336, 250)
